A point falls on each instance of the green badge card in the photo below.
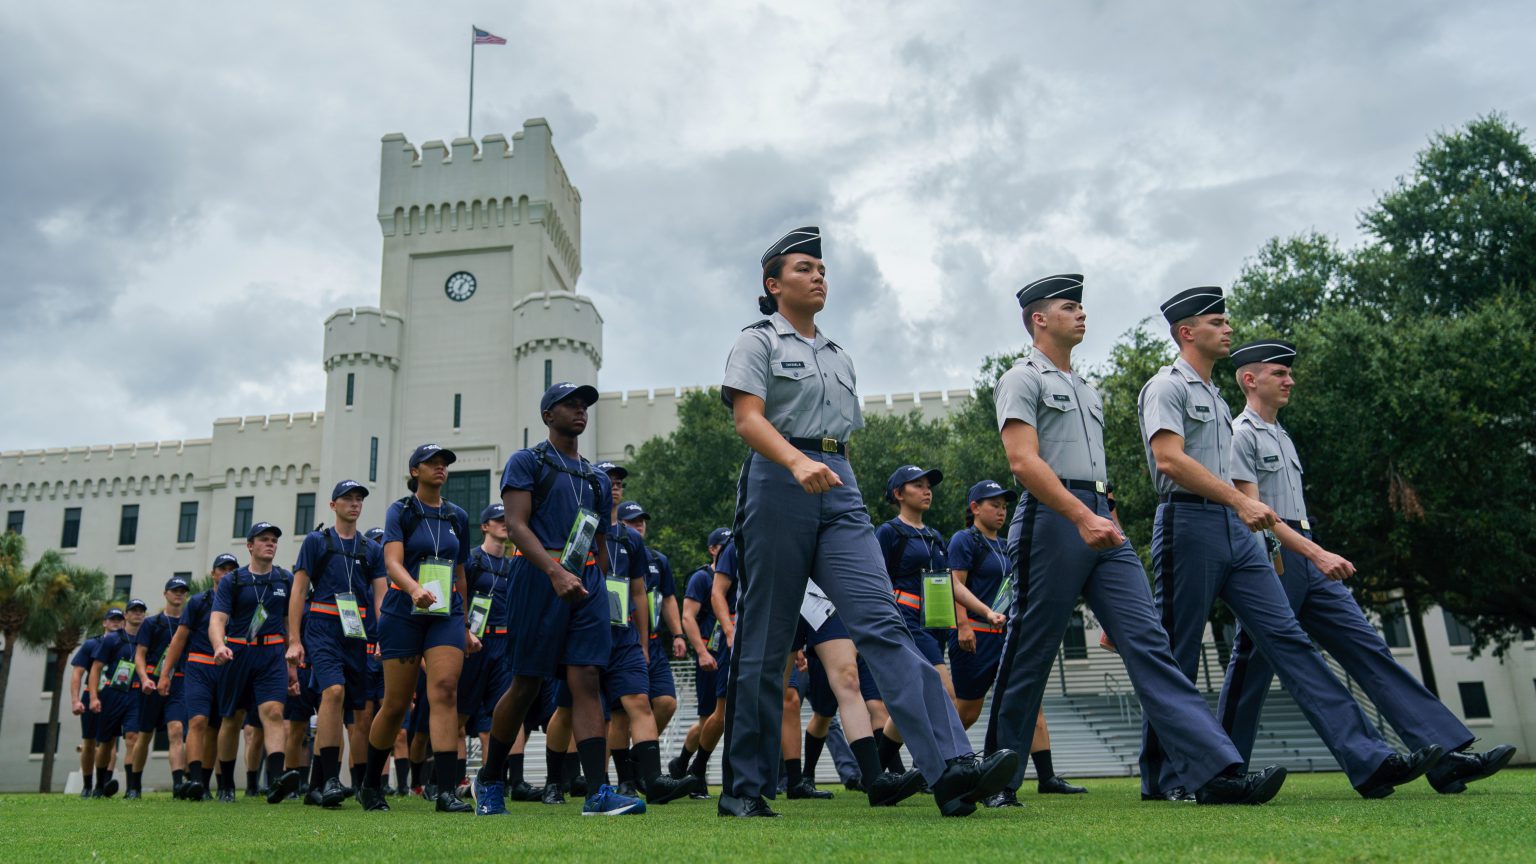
(938, 600)
(435, 575)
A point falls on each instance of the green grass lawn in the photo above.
(1316, 817)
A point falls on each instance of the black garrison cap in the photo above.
(1194, 301)
(1066, 286)
(1264, 351)
(806, 240)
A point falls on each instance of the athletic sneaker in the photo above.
(608, 802)
(489, 799)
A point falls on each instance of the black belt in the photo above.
(1098, 486)
(820, 445)
(1300, 524)
(1186, 498)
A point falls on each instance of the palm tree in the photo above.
(66, 602)
(14, 603)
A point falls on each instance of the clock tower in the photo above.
(478, 314)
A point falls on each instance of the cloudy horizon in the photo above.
(190, 190)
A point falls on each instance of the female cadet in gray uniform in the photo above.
(1063, 544)
(1265, 466)
(1203, 548)
(800, 515)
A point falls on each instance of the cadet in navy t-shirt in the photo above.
(80, 698)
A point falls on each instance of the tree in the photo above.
(687, 480)
(66, 602)
(15, 603)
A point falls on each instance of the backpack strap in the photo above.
(411, 516)
(332, 548)
(546, 481)
(893, 557)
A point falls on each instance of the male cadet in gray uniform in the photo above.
(1203, 547)
(1265, 466)
(799, 514)
(1063, 544)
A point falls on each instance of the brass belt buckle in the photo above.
(829, 445)
(1098, 486)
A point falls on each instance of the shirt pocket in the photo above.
(847, 396)
(1270, 461)
(1058, 417)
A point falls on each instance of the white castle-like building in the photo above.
(478, 314)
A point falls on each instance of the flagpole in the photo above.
(471, 81)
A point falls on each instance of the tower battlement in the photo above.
(363, 334)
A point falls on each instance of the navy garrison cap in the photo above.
(1194, 301)
(806, 240)
(1066, 286)
(1264, 351)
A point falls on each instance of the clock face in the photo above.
(460, 286)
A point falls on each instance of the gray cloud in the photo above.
(189, 191)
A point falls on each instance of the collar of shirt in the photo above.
(782, 327)
(1182, 366)
(1039, 358)
(1253, 417)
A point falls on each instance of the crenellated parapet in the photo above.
(363, 336)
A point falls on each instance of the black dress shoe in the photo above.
(1397, 770)
(553, 794)
(854, 784)
(86, 793)
(286, 784)
(448, 802)
(193, 791)
(132, 795)
(1177, 793)
(429, 792)
(806, 789)
(663, 789)
(627, 789)
(312, 798)
(677, 766)
(109, 789)
(176, 790)
(890, 788)
(1238, 787)
(1455, 770)
(969, 779)
(1005, 798)
(699, 796)
(332, 793)
(372, 799)
(521, 791)
(753, 807)
(579, 786)
(226, 796)
(1058, 786)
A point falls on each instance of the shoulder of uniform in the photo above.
(764, 324)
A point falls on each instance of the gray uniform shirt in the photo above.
(808, 391)
(1262, 453)
(1065, 412)
(1178, 400)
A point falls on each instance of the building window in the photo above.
(14, 520)
(245, 508)
(184, 574)
(549, 374)
(51, 671)
(1457, 633)
(122, 586)
(1075, 645)
(1394, 626)
(128, 526)
(458, 410)
(71, 538)
(186, 527)
(351, 381)
(1474, 700)
(40, 737)
(304, 514)
(373, 460)
(472, 491)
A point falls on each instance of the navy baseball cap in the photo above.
(629, 511)
(494, 513)
(225, 560)
(346, 486)
(114, 612)
(719, 537)
(136, 603)
(176, 583)
(427, 451)
(375, 534)
(991, 489)
(261, 528)
(617, 472)
(907, 473)
(566, 390)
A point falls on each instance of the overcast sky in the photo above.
(188, 189)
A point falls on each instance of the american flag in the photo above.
(483, 37)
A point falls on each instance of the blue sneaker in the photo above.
(608, 802)
(489, 799)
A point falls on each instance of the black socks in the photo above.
(647, 762)
(793, 772)
(554, 768)
(593, 756)
(226, 774)
(867, 753)
(1043, 769)
(890, 753)
(623, 766)
(274, 768)
(813, 747)
(402, 771)
(374, 771)
(700, 763)
(444, 765)
(514, 772)
(330, 764)
(494, 768)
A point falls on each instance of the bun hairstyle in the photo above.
(772, 269)
(412, 485)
